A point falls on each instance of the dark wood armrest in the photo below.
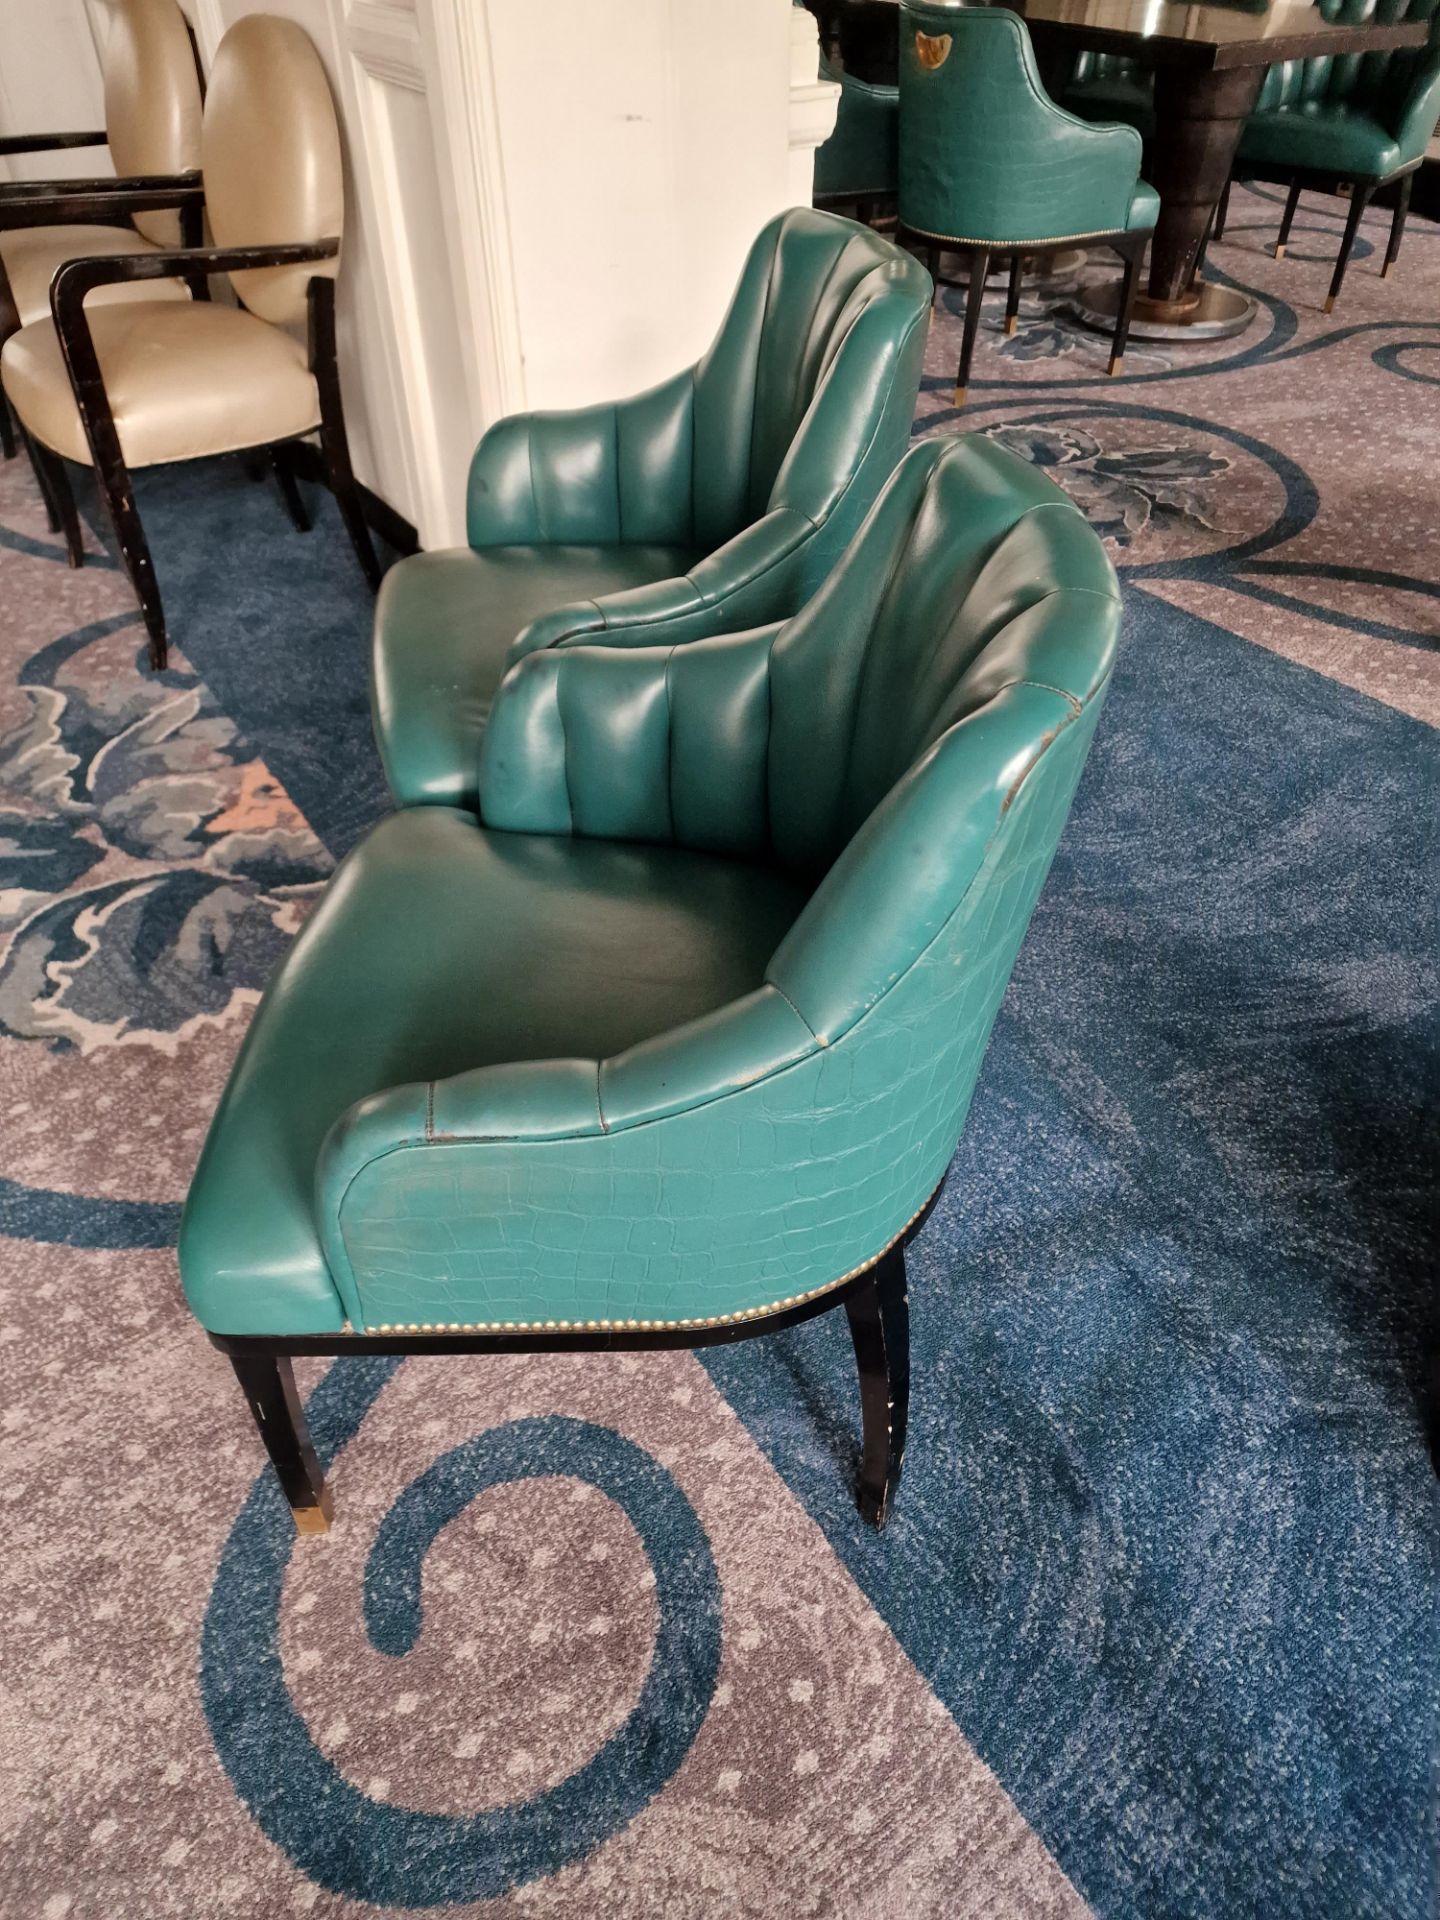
(47, 203)
(78, 277)
(48, 142)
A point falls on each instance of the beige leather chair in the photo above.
(152, 380)
(152, 127)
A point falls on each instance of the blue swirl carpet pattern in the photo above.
(1153, 1632)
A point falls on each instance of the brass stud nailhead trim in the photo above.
(519, 1327)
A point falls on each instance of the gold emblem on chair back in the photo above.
(272, 157)
(152, 100)
(932, 49)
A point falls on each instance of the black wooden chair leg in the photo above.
(978, 260)
(1125, 312)
(269, 1385)
(879, 1314)
(7, 429)
(42, 482)
(1012, 294)
(1397, 225)
(1222, 212)
(1292, 201)
(289, 488)
(55, 483)
(333, 442)
(1360, 196)
(119, 497)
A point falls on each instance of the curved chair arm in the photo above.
(48, 203)
(664, 744)
(1413, 120)
(592, 476)
(744, 583)
(510, 1137)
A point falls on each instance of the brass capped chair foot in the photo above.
(960, 393)
(1117, 361)
(1387, 269)
(1279, 249)
(1330, 303)
(314, 1519)
(1012, 321)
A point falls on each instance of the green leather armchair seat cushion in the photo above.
(1320, 134)
(440, 947)
(444, 623)
(724, 496)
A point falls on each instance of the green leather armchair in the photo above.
(718, 500)
(991, 167)
(673, 1043)
(859, 164)
(1368, 121)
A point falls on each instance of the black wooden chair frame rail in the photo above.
(876, 1303)
(1362, 190)
(68, 290)
(105, 203)
(1129, 242)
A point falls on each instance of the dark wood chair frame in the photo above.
(877, 1308)
(1130, 243)
(1362, 192)
(68, 290)
(13, 143)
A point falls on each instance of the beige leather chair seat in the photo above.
(185, 378)
(32, 254)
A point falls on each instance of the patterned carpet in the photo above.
(1153, 1632)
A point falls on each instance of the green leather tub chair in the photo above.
(1367, 121)
(991, 168)
(673, 1043)
(713, 502)
(859, 165)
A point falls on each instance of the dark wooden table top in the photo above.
(1224, 33)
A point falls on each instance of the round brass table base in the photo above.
(1218, 313)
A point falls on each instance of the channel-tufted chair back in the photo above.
(1378, 83)
(152, 101)
(272, 158)
(800, 408)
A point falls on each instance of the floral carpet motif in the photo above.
(1153, 1632)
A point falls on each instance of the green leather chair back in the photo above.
(1401, 89)
(910, 744)
(800, 408)
(862, 155)
(985, 155)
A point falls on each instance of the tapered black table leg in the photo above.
(269, 1386)
(879, 1314)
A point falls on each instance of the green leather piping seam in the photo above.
(1053, 240)
(520, 1327)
